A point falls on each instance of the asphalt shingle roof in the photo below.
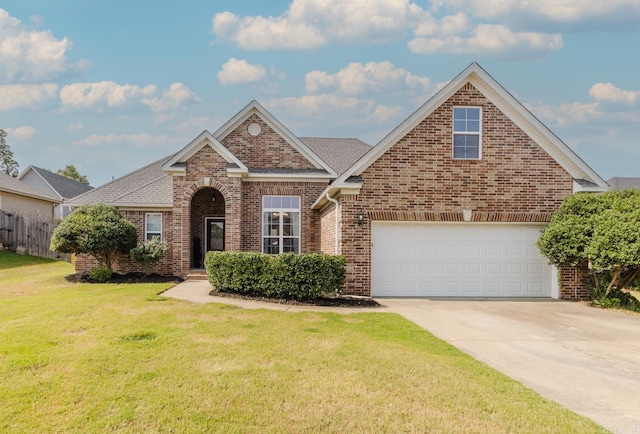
(339, 154)
(619, 183)
(15, 186)
(66, 188)
(149, 185)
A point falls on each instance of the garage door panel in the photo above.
(458, 260)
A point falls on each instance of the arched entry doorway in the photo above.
(207, 224)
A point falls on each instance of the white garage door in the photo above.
(458, 260)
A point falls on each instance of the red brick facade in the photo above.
(416, 179)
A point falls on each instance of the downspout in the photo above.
(330, 199)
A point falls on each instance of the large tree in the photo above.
(98, 230)
(602, 230)
(7, 164)
(71, 172)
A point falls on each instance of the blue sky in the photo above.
(110, 86)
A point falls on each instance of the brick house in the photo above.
(449, 203)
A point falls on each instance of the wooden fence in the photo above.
(28, 235)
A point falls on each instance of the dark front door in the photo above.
(215, 235)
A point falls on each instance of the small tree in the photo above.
(71, 172)
(603, 230)
(97, 230)
(149, 253)
(7, 164)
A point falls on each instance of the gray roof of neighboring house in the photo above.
(622, 183)
(340, 154)
(148, 186)
(15, 186)
(65, 187)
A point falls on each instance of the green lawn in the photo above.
(119, 358)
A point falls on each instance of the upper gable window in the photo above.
(467, 125)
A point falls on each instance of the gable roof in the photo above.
(64, 187)
(619, 183)
(175, 163)
(340, 154)
(255, 108)
(148, 187)
(506, 103)
(13, 185)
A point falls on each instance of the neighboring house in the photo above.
(18, 197)
(623, 183)
(54, 185)
(449, 203)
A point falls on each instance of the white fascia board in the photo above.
(286, 178)
(254, 107)
(205, 138)
(579, 188)
(533, 127)
(340, 189)
(144, 207)
(32, 169)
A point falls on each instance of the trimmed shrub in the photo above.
(100, 274)
(149, 253)
(291, 276)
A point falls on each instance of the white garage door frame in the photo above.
(455, 259)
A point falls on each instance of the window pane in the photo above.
(459, 113)
(291, 245)
(473, 114)
(271, 246)
(295, 202)
(459, 126)
(473, 126)
(154, 222)
(286, 202)
(266, 202)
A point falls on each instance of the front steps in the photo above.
(197, 274)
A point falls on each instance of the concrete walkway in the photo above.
(197, 291)
(584, 358)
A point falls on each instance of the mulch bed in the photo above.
(125, 278)
(332, 301)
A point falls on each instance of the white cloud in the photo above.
(239, 71)
(100, 94)
(607, 92)
(27, 55)
(357, 79)
(76, 127)
(21, 133)
(338, 109)
(314, 23)
(137, 140)
(565, 114)
(485, 39)
(172, 99)
(19, 96)
(595, 13)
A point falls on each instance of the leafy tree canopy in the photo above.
(71, 172)
(98, 230)
(603, 230)
(7, 164)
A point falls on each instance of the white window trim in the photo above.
(280, 223)
(454, 132)
(146, 232)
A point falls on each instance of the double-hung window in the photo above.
(467, 127)
(152, 226)
(280, 224)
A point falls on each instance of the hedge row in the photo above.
(300, 277)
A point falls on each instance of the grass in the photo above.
(120, 358)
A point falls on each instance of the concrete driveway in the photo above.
(586, 359)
